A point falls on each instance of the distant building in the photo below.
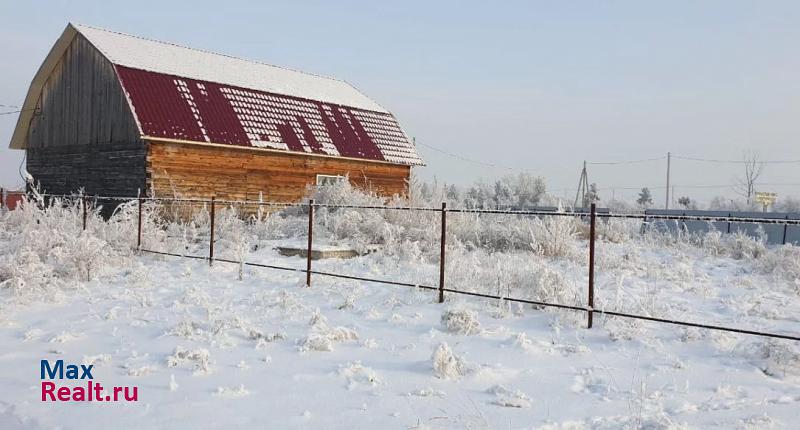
(116, 114)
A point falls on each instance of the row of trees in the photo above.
(744, 186)
(524, 190)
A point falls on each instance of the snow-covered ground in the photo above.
(206, 349)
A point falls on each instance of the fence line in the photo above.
(569, 213)
(441, 288)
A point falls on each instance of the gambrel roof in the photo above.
(184, 94)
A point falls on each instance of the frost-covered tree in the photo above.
(687, 203)
(504, 193)
(621, 206)
(788, 204)
(721, 203)
(452, 193)
(518, 191)
(480, 195)
(529, 189)
(645, 197)
(592, 195)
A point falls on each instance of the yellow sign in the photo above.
(765, 198)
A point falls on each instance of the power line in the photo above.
(711, 160)
(16, 111)
(657, 187)
(468, 160)
(644, 160)
(10, 106)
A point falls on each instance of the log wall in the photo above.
(197, 170)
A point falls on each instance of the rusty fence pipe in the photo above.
(592, 232)
(211, 240)
(139, 231)
(310, 241)
(83, 204)
(785, 229)
(442, 252)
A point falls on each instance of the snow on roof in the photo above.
(144, 54)
(185, 94)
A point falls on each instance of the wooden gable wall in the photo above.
(83, 134)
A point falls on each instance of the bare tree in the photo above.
(753, 168)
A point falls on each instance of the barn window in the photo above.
(323, 180)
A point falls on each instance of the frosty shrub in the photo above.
(447, 365)
(782, 262)
(321, 337)
(618, 230)
(778, 358)
(44, 248)
(741, 246)
(622, 207)
(26, 275)
(280, 225)
(461, 321)
(516, 274)
(509, 398)
(199, 358)
(554, 236)
(357, 374)
(88, 255)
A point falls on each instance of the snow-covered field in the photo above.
(206, 349)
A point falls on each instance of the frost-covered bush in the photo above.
(778, 358)
(321, 337)
(741, 246)
(44, 248)
(554, 236)
(618, 230)
(509, 398)
(446, 364)
(782, 262)
(516, 274)
(461, 321)
(199, 358)
(89, 255)
(622, 207)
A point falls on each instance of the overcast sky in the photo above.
(522, 86)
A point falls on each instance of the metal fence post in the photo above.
(785, 227)
(83, 203)
(442, 252)
(592, 231)
(139, 231)
(211, 241)
(2, 198)
(310, 240)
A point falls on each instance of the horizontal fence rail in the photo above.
(495, 297)
(591, 215)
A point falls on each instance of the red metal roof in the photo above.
(175, 107)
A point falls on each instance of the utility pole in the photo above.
(669, 158)
(583, 187)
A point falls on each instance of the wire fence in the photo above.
(441, 287)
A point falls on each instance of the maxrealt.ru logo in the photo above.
(91, 392)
